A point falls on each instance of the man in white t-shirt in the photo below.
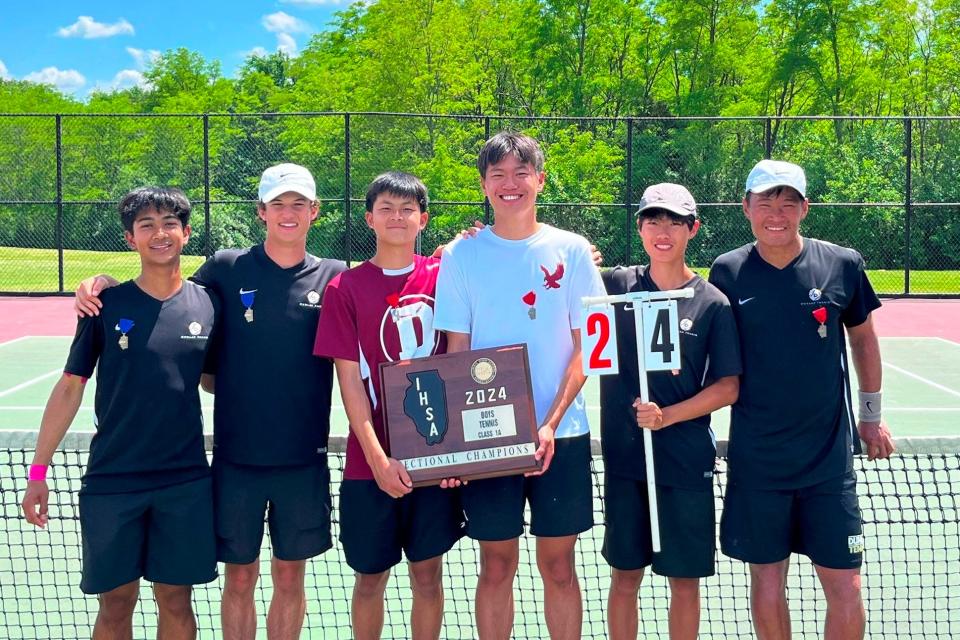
(520, 281)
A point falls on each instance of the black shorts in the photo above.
(822, 522)
(561, 500)
(164, 535)
(297, 503)
(374, 527)
(687, 529)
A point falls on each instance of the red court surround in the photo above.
(53, 316)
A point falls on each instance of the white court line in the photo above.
(909, 374)
(24, 408)
(951, 342)
(937, 338)
(23, 385)
(3, 344)
(22, 338)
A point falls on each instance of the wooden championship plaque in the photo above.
(467, 415)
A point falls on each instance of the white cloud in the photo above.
(281, 22)
(128, 78)
(68, 80)
(287, 44)
(142, 57)
(124, 79)
(4, 74)
(87, 27)
(258, 52)
(311, 3)
(284, 25)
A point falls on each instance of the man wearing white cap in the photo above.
(791, 485)
(272, 406)
(678, 413)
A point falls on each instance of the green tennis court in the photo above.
(921, 387)
(909, 503)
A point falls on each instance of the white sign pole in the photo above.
(647, 434)
(645, 302)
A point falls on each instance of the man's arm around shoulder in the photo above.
(86, 301)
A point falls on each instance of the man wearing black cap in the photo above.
(791, 484)
(678, 413)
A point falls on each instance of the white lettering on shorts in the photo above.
(855, 543)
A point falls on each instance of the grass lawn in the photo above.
(891, 282)
(35, 270)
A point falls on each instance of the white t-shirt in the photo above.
(522, 291)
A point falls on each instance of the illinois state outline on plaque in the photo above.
(425, 402)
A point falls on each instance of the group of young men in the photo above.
(268, 325)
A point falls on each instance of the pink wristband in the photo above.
(38, 472)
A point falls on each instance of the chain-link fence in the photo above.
(882, 185)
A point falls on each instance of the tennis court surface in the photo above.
(910, 510)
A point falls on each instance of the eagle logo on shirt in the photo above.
(552, 280)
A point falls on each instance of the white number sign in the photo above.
(598, 335)
(661, 335)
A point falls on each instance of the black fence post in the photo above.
(486, 202)
(628, 193)
(346, 188)
(58, 119)
(206, 186)
(908, 200)
(767, 138)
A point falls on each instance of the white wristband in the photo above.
(869, 406)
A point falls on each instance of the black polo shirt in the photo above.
(793, 425)
(684, 453)
(272, 401)
(147, 406)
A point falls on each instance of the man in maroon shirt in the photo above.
(381, 311)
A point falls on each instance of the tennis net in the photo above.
(911, 572)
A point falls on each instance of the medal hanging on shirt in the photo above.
(246, 298)
(123, 326)
(530, 299)
(820, 315)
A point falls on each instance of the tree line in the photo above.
(508, 59)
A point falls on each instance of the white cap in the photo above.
(281, 178)
(672, 197)
(769, 174)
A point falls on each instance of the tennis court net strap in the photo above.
(911, 571)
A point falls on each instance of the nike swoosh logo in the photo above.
(869, 408)
(745, 300)
(242, 292)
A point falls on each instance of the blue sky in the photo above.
(82, 45)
